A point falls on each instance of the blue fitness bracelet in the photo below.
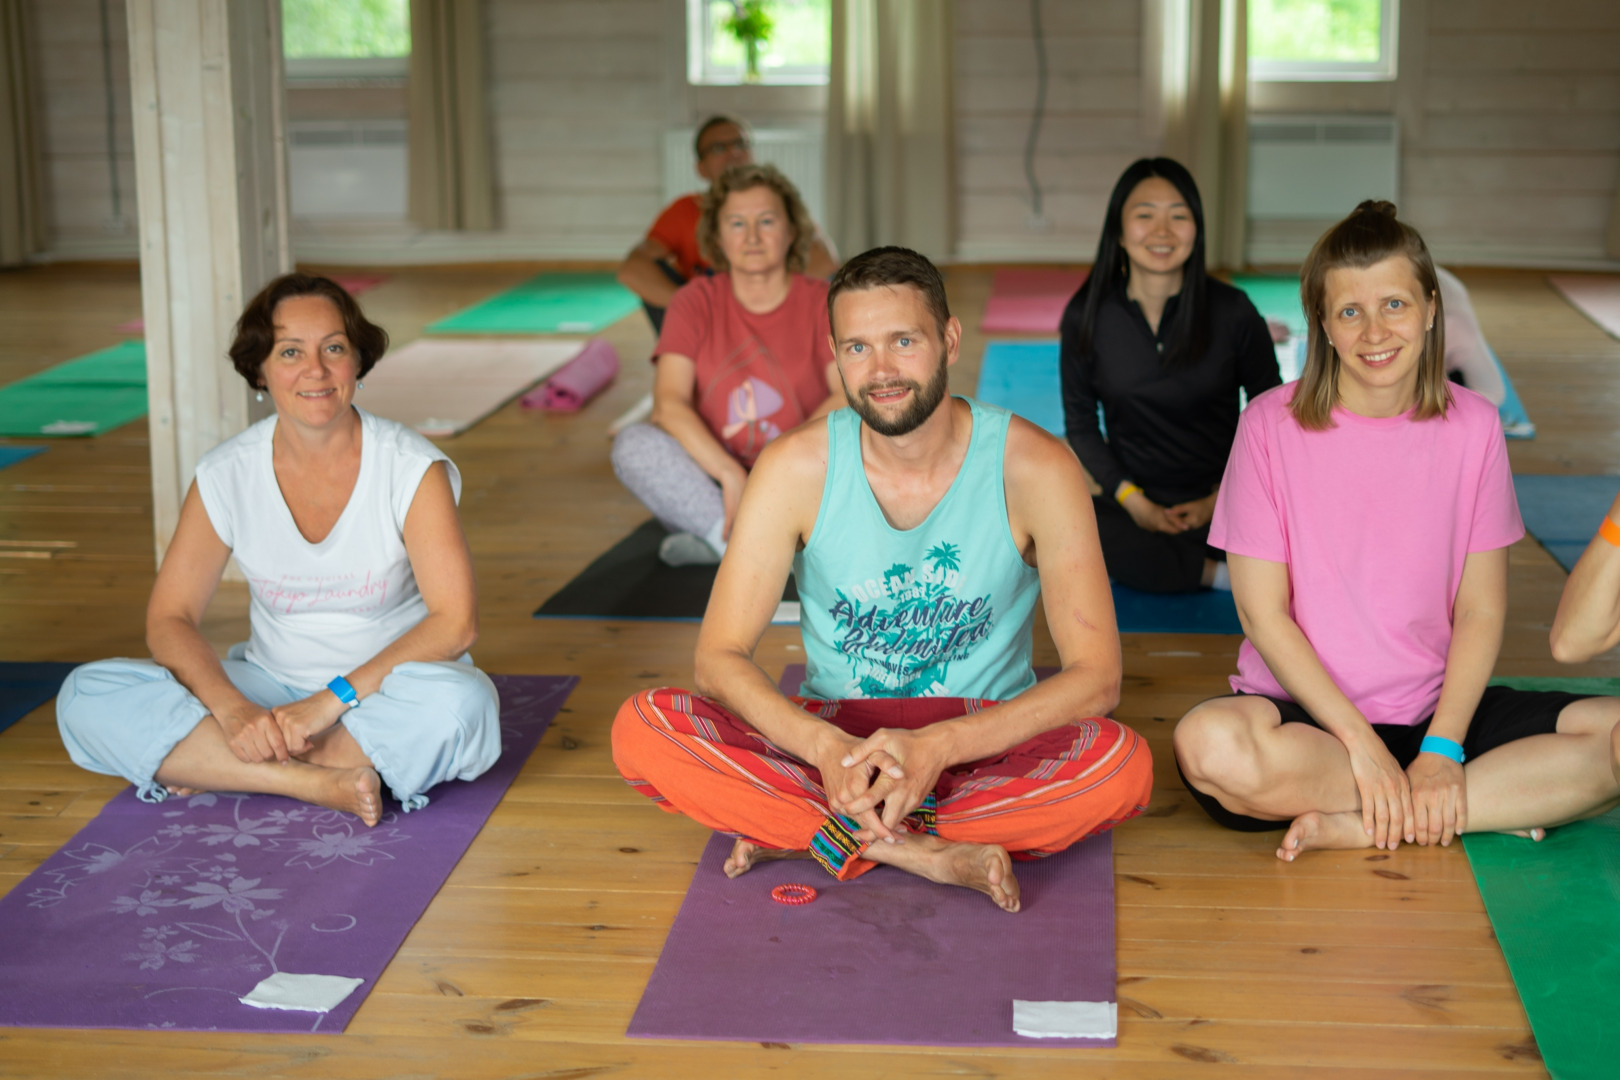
(1439, 744)
(345, 693)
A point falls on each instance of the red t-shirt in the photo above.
(757, 375)
(676, 228)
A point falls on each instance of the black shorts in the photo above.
(1504, 715)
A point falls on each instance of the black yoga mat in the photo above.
(629, 582)
(25, 687)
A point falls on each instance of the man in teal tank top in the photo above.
(922, 529)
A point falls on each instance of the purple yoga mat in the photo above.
(161, 916)
(577, 381)
(888, 958)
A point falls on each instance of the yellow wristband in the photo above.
(1610, 531)
(1131, 489)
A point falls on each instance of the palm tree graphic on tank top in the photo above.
(902, 634)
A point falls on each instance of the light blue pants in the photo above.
(428, 723)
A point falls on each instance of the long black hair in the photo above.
(1187, 336)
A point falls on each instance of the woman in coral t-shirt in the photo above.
(1366, 514)
(744, 356)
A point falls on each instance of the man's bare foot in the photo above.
(984, 867)
(1315, 830)
(353, 791)
(745, 853)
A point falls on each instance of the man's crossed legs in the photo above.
(691, 756)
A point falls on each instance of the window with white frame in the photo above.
(346, 39)
(794, 49)
(1322, 40)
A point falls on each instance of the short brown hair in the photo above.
(713, 122)
(1371, 234)
(893, 266)
(256, 329)
(742, 178)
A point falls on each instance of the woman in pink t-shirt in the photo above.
(744, 355)
(1366, 513)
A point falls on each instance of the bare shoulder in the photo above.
(801, 454)
(1038, 464)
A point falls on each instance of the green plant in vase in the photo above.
(751, 24)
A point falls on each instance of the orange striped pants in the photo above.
(692, 757)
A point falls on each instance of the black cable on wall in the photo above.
(1039, 113)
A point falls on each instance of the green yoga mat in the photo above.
(547, 304)
(85, 396)
(1555, 907)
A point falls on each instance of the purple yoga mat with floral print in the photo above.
(162, 916)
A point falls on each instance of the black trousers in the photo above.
(1151, 561)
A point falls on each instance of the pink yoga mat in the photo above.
(355, 284)
(1030, 301)
(1597, 296)
(577, 381)
(134, 326)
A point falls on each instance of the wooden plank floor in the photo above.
(531, 959)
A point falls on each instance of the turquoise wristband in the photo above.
(345, 692)
(1446, 748)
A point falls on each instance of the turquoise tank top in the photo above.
(946, 609)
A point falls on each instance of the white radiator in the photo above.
(796, 151)
(347, 168)
(1320, 167)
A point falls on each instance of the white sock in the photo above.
(712, 537)
(1223, 579)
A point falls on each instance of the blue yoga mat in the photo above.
(1563, 512)
(1022, 376)
(25, 687)
(1209, 611)
(10, 455)
(1277, 297)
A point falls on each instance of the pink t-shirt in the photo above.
(758, 375)
(1374, 518)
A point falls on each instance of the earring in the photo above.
(358, 385)
(258, 395)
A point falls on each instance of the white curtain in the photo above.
(890, 154)
(451, 185)
(21, 225)
(1206, 113)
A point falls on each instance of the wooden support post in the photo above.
(211, 180)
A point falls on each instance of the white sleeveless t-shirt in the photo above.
(321, 610)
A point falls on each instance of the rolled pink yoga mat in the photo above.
(577, 381)
(1030, 301)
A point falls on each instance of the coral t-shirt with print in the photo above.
(758, 375)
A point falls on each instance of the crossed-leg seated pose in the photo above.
(922, 528)
(1588, 619)
(1366, 512)
(1165, 349)
(362, 593)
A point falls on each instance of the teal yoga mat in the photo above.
(10, 455)
(546, 304)
(1022, 376)
(1555, 907)
(1563, 512)
(85, 396)
(1277, 297)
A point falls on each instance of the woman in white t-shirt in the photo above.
(1366, 513)
(363, 603)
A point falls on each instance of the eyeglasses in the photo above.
(726, 146)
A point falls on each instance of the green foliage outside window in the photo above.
(345, 28)
(800, 36)
(1314, 30)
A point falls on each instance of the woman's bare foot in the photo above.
(986, 868)
(1538, 835)
(1315, 830)
(355, 791)
(746, 853)
(184, 792)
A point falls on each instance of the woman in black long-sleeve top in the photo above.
(1165, 349)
